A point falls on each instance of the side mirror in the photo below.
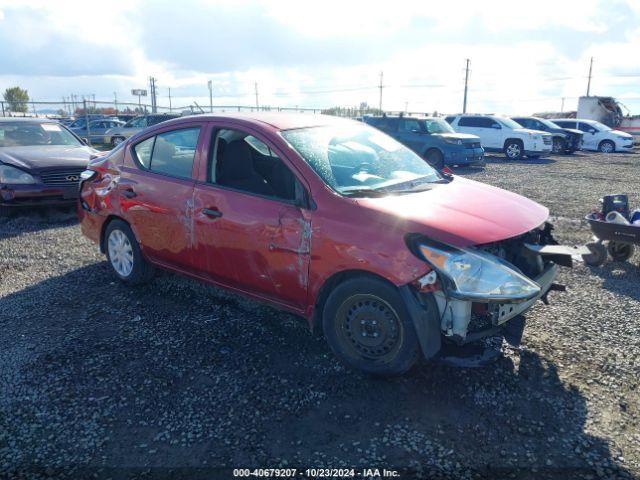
(496, 126)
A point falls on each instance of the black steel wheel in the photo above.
(367, 326)
(619, 251)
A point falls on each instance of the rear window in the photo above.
(170, 153)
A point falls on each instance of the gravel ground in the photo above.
(178, 379)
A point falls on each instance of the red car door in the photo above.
(248, 235)
(156, 188)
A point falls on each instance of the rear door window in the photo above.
(170, 153)
(174, 151)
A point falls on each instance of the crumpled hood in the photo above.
(461, 213)
(38, 157)
(461, 136)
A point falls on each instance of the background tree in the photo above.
(17, 99)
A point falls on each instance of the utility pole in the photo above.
(562, 106)
(256, 88)
(589, 81)
(210, 85)
(152, 85)
(115, 101)
(170, 108)
(381, 86)
(466, 84)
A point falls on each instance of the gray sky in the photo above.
(525, 56)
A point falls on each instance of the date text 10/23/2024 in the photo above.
(373, 473)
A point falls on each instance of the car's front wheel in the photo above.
(513, 149)
(368, 327)
(607, 146)
(124, 254)
(558, 145)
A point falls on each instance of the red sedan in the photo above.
(327, 218)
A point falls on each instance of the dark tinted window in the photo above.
(450, 119)
(565, 123)
(525, 122)
(585, 127)
(477, 122)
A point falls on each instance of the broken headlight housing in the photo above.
(474, 275)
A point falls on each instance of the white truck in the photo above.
(501, 134)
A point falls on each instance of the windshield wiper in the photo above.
(365, 192)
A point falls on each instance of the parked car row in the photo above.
(463, 138)
(111, 130)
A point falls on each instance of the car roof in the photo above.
(27, 120)
(276, 120)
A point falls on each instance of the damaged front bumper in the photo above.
(440, 314)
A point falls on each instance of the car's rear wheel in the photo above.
(124, 254)
(558, 145)
(513, 149)
(115, 141)
(607, 146)
(435, 159)
(368, 327)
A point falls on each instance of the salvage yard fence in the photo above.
(90, 109)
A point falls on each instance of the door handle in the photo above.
(129, 193)
(211, 212)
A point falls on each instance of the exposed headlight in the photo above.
(14, 175)
(87, 175)
(475, 275)
(452, 141)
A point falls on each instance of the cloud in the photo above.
(31, 44)
(324, 53)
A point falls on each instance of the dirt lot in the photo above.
(178, 379)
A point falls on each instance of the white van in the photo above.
(597, 136)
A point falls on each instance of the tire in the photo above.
(559, 145)
(513, 149)
(367, 326)
(124, 254)
(607, 146)
(619, 251)
(435, 159)
(115, 141)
